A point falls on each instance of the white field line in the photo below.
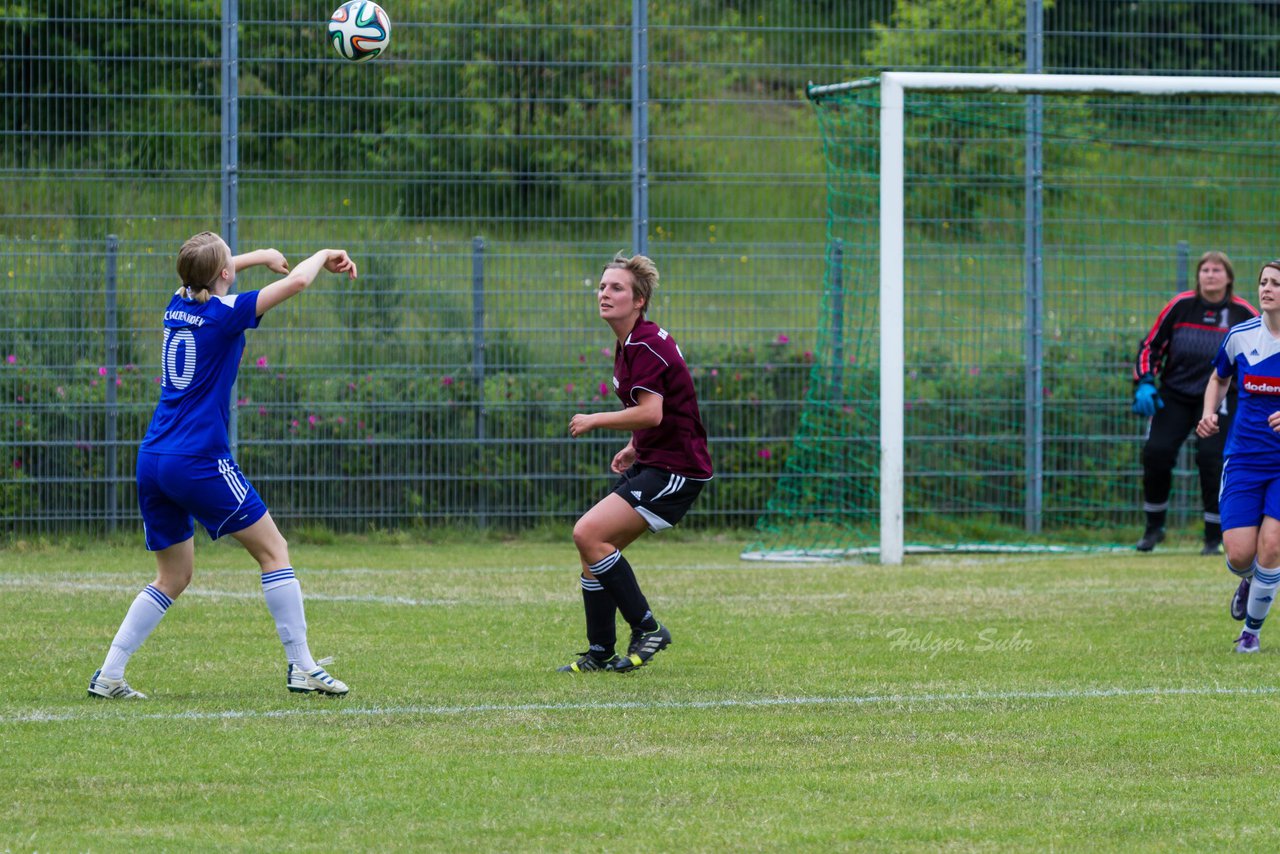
(39, 582)
(129, 709)
(28, 582)
(570, 566)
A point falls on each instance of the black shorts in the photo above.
(661, 497)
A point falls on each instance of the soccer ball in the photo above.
(359, 30)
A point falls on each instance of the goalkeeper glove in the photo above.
(1146, 400)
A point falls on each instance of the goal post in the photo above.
(1090, 142)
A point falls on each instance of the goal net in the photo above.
(998, 246)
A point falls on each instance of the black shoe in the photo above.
(1150, 538)
(1240, 600)
(644, 646)
(589, 663)
(1212, 548)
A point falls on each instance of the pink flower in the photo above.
(715, 372)
(119, 382)
(737, 376)
(360, 426)
(93, 383)
(17, 464)
(22, 399)
(604, 389)
(241, 401)
(156, 379)
(312, 420)
(60, 391)
(131, 367)
(605, 351)
(446, 381)
(102, 372)
(351, 386)
(11, 359)
(581, 358)
(341, 420)
(782, 338)
(262, 411)
(808, 355)
(974, 371)
(294, 424)
(568, 389)
(764, 454)
(262, 361)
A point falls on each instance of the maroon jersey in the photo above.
(649, 360)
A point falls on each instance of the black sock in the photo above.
(1155, 519)
(1213, 532)
(620, 582)
(602, 626)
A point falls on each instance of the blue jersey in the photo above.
(203, 343)
(1252, 355)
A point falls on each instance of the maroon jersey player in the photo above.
(662, 469)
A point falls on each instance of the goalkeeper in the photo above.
(1180, 349)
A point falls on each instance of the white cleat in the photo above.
(317, 681)
(112, 689)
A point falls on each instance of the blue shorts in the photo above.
(1250, 490)
(172, 489)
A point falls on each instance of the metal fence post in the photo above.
(231, 156)
(1182, 277)
(640, 126)
(1033, 265)
(112, 365)
(1186, 480)
(477, 367)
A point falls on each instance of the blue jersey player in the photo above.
(1250, 496)
(185, 467)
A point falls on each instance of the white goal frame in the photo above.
(893, 87)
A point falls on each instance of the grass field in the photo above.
(956, 703)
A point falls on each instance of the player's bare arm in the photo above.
(624, 459)
(1214, 392)
(333, 260)
(272, 259)
(645, 414)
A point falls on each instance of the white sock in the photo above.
(143, 616)
(284, 601)
(1261, 592)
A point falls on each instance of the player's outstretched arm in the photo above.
(333, 260)
(272, 259)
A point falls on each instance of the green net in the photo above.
(1018, 429)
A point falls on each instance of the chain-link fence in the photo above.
(481, 172)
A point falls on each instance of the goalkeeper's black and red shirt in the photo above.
(1182, 344)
